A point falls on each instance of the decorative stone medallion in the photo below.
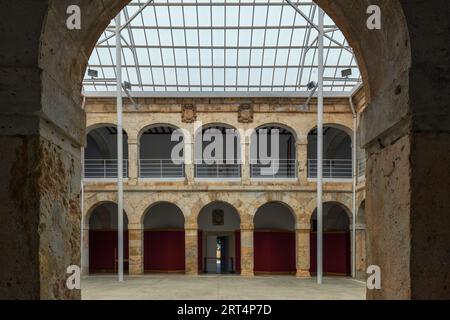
(245, 113)
(188, 113)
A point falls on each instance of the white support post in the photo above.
(320, 152)
(119, 150)
(354, 173)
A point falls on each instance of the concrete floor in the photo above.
(213, 287)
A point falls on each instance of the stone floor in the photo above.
(167, 287)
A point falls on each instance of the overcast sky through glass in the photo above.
(240, 45)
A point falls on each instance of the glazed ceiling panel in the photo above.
(221, 46)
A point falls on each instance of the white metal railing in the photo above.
(218, 169)
(273, 168)
(332, 168)
(103, 168)
(160, 168)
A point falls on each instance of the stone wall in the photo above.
(245, 195)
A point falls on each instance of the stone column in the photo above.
(302, 161)
(302, 250)
(361, 251)
(191, 250)
(85, 250)
(247, 251)
(189, 161)
(133, 162)
(135, 244)
(246, 160)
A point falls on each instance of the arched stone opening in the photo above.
(273, 152)
(161, 153)
(336, 240)
(219, 245)
(103, 249)
(393, 79)
(274, 239)
(100, 154)
(164, 247)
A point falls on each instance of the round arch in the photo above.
(101, 198)
(286, 127)
(224, 159)
(274, 239)
(370, 48)
(159, 125)
(221, 223)
(342, 199)
(336, 239)
(219, 246)
(337, 126)
(164, 238)
(327, 209)
(162, 205)
(102, 238)
(285, 221)
(97, 125)
(286, 199)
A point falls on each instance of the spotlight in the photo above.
(346, 73)
(92, 73)
(311, 85)
(127, 85)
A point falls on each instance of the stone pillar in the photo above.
(191, 249)
(246, 160)
(133, 162)
(189, 161)
(135, 244)
(361, 251)
(302, 250)
(302, 161)
(247, 252)
(85, 250)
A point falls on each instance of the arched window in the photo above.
(273, 153)
(159, 156)
(100, 154)
(217, 152)
(337, 153)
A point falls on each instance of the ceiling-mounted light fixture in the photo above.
(311, 85)
(346, 73)
(92, 73)
(126, 85)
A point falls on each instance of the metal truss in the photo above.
(222, 46)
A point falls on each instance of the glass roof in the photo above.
(221, 46)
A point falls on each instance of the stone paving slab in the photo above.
(220, 287)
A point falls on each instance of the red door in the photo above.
(274, 252)
(103, 251)
(164, 251)
(336, 253)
